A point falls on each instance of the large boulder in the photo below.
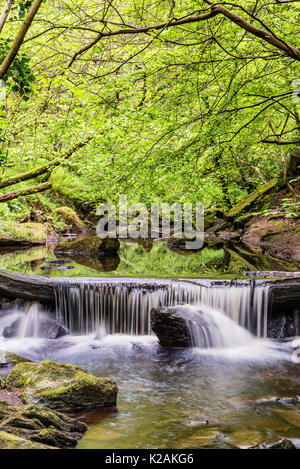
(246, 203)
(37, 424)
(170, 325)
(60, 386)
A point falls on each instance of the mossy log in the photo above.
(251, 199)
(27, 191)
(33, 173)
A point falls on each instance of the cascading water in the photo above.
(30, 322)
(125, 307)
(119, 308)
(209, 328)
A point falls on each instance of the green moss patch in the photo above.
(249, 201)
(61, 386)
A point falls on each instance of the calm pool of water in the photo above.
(135, 259)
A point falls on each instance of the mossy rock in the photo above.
(70, 218)
(61, 386)
(2, 384)
(249, 201)
(10, 441)
(244, 218)
(22, 234)
(91, 246)
(41, 425)
(7, 359)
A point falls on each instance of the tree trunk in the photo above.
(18, 41)
(33, 173)
(27, 191)
(5, 14)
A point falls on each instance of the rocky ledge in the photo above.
(37, 427)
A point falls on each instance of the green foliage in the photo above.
(19, 78)
(20, 8)
(179, 115)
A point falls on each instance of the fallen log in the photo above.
(27, 191)
(27, 287)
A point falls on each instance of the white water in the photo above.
(210, 328)
(111, 315)
(26, 321)
(30, 322)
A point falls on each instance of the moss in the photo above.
(9, 441)
(61, 386)
(40, 424)
(15, 233)
(249, 201)
(51, 418)
(53, 437)
(7, 358)
(69, 218)
(269, 234)
(2, 384)
(244, 218)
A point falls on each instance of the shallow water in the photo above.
(215, 398)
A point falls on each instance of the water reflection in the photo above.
(143, 258)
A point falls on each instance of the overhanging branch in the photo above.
(215, 9)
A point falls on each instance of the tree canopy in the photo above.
(172, 100)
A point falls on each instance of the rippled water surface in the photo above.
(219, 398)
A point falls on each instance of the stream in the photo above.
(233, 389)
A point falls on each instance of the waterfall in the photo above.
(210, 328)
(119, 308)
(30, 322)
(124, 306)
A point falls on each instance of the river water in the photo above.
(241, 390)
(221, 397)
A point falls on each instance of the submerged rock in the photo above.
(40, 425)
(61, 386)
(52, 330)
(47, 329)
(283, 443)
